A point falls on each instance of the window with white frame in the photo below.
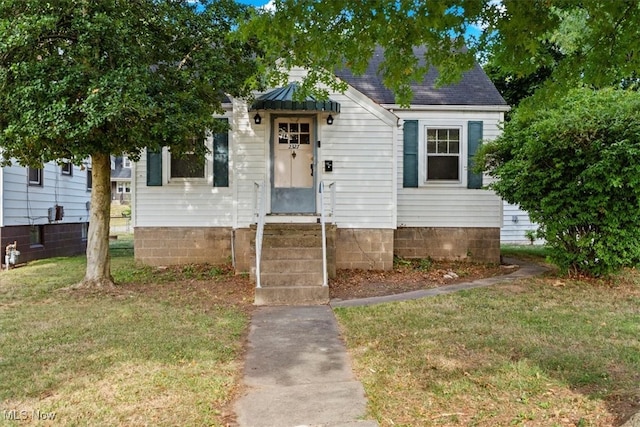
(126, 163)
(89, 180)
(443, 154)
(124, 187)
(66, 168)
(35, 176)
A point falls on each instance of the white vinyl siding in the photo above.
(361, 145)
(180, 202)
(448, 204)
(515, 224)
(365, 145)
(249, 150)
(24, 204)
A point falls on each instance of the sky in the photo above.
(254, 2)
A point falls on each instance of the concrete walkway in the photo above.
(525, 270)
(297, 368)
(298, 372)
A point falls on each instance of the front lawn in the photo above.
(160, 349)
(165, 348)
(538, 352)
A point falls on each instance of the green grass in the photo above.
(543, 352)
(145, 354)
(529, 252)
(120, 220)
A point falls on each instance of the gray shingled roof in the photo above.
(475, 88)
(120, 174)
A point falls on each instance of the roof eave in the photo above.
(436, 107)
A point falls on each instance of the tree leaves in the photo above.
(329, 35)
(109, 76)
(590, 42)
(575, 167)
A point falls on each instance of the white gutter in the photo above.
(502, 108)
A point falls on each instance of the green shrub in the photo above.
(574, 165)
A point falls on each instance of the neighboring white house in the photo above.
(120, 179)
(46, 211)
(397, 181)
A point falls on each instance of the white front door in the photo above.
(293, 166)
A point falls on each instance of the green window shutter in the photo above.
(410, 154)
(474, 133)
(221, 159)
(154, 168)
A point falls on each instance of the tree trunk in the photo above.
(98, 273)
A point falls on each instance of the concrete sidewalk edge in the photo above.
(526, 270)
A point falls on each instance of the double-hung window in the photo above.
(212, 168)
(443, 154)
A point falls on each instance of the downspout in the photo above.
(233, 248)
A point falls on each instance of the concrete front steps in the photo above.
(291, 267)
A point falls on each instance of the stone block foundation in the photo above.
(468, 243)
(366, 249)
(182, 245)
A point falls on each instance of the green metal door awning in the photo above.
(282, 99)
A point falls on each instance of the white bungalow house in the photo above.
(45, 211)
(387, 181)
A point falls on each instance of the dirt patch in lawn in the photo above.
(212, 286)
(195, 283)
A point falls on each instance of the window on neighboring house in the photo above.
(66, 169)
(36, 235)
(124, 187)
(187, 166)
(35, 176)
(89, 180)
(443, 154)
(126, 163)
(85, 230)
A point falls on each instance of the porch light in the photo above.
(257, 119)
(330, 120)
